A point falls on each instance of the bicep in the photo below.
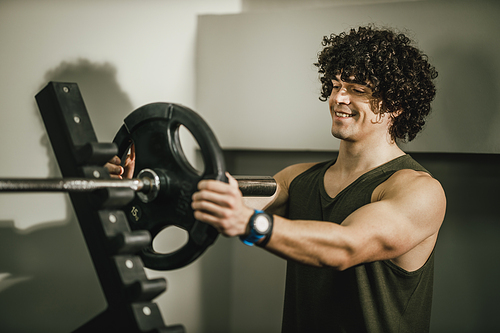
(408, 213)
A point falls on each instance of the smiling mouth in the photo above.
(343, 115)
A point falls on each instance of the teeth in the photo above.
(343, 115)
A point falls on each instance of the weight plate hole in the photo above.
(170, 240)
(191, 150)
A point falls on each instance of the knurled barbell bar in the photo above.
(148, 185)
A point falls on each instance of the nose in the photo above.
(340, 97)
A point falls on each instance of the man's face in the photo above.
(352, 109)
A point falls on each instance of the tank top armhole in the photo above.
(404, 273)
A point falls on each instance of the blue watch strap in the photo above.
(253, 237)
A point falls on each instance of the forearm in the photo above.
(314, 243)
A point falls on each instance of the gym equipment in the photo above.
(120, 218)
(250, 186)
(165, 179)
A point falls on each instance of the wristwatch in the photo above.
(261, 225)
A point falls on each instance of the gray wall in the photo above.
(255, 71)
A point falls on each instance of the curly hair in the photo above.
(399, 74)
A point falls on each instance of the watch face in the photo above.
(261, 223)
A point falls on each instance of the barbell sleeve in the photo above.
(256, 186)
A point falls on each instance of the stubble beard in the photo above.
(340, 133)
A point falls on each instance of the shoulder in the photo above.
(287, 175)
(413, 178)
(412, 187)
(283, 179)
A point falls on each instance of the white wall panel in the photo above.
(257, 86)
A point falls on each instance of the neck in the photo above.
(356, 157)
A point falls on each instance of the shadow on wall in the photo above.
(47, 281)
(107, 104)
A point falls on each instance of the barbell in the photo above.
(147, 185)
(163, 180)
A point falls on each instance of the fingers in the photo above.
(220, 205)
(132, 152)
(129, 167)
(114, 168)
(232, 181)
(130, 159)
(211, 220)
(129, 164)
(218, 186)
(115, 160)
(213, 197)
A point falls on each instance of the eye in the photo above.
(335, 84)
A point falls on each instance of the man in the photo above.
(358, 232)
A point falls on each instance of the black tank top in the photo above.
(374, 297)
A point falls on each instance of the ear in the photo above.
(376, 106)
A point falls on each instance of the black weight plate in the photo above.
(154, 130)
